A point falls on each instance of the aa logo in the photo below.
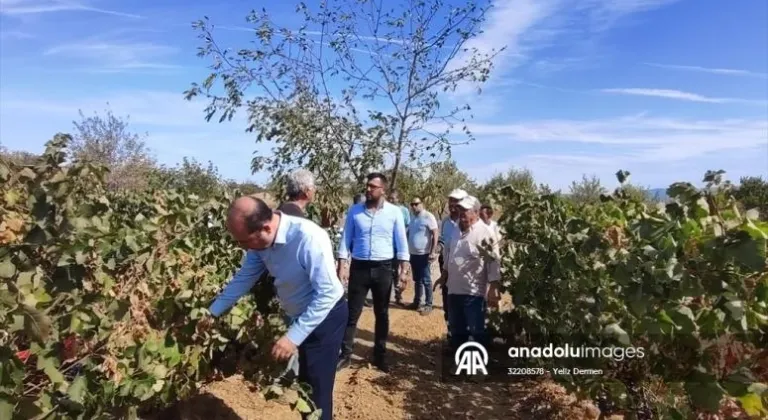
(471, 358)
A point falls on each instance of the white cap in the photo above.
(458, 194)
(468, 202)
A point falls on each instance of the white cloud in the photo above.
(116, 56)
(524, 27)
(680, 95)
(721, 71)
(634, 138)
(15, 35)
(29, 7)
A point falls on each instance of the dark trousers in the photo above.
(421, 279)
(316, 353)
(396, 280)
(375, 276)
(467, 318)
(444, 291)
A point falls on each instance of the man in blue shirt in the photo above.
(374, 235)
(299, 254)
(422, 243)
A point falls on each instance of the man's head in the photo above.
(469, 209)
(359, 198)
(252, 223)
(486, 213)
(375, 187)
(453, 200)
(300, 186)
(416, 205)
(394, 197)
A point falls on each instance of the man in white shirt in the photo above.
(471, 274)
(447, 226)
(486, 215)
(422, 243)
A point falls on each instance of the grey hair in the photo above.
(299, 181)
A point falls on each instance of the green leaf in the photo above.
(615, 331)
(735, 308)
(37, 325)
(758, 388)
(302, 406)
(753, 405)
(51, 370)
(77, 389)
(316, 415)
(6, 408)
(705, 395)
(7, 269)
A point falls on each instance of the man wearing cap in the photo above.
(447, 226)
(422, 243)
(472, 275)
(486, 215)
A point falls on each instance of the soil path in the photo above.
(411, 390)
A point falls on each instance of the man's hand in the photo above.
(494, 296)
(283, 349)
(342, 270)
(441, 281)
(402, 278)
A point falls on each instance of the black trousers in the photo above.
(375, 276)
(322, 345)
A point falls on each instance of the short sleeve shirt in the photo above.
(470, 269)
(420, 233)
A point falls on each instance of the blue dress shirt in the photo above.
(376, 236)
(301, 260)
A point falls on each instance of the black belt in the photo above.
(371, 264)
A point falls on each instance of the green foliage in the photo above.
(752, 193)
(520, 180)
(108, 141)
(433, 184)
(587, 191)
(102, 292)
(398, 69)
(686, 281)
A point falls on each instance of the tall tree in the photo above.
(109, 141)
(397, 59)
(587, 191)
(752, 193)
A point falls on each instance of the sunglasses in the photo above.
(415, 204)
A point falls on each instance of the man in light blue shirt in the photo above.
(299, 254)
(422, 243)
(374, 235)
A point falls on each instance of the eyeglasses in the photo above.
(415, 204)
(373, 186)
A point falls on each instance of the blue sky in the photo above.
(663, 88)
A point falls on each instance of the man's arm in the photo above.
(401, 239)
(432, 224)
(242, 282)
(316, 256)
(345, 244)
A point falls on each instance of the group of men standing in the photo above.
(381, 242)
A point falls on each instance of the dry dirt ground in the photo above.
(411, 390)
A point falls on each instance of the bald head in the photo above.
(251, 222)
